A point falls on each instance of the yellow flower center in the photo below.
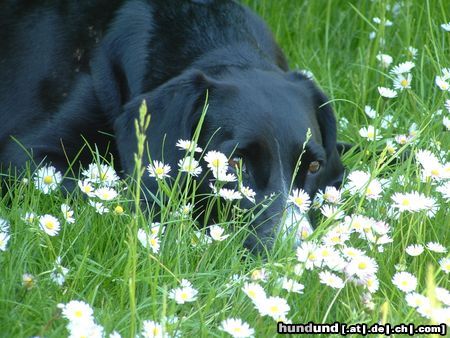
(274, 309)
(184, 295)
(156, 331)
(237, 329)
(404, 82)
(299, 200)
(78, 313)
(118, 210)
(362, 265)
(404, 283)
(435, 172)
(153, 242)
(251, 294)
(49, 225)
(370, 134)
(159, 171)
(48, 179)
(215, 163)
(406, 202)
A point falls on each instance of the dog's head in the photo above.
(258, 118)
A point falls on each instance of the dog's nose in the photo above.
(295, 223)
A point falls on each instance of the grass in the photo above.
(127, 284)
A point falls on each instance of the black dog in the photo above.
(78, 70)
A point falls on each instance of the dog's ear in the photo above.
(175, 108)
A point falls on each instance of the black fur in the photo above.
(75, 70)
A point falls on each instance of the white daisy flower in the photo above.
(229, 194)
(86, 187)
(47, 179)
(184, 294)
(4, 225)
(370, 112)
(446, 27)
(332, 280)
(301, 199)
(330, 211)
(414, 300)
(385, 60)
(28, 281)
(158, 169)
(49, 224)
(362, 267)
(403, 68)
(188, 146)
(67, 213)
(148, 241)
(59, 272)
(260, 274)
(386, 92)
(85, 329)
(436, 247)
(217, 161)
(190, 166)
(444, 190)
(414, 249)
(291, 285)
(447, 105)
(402, 139)
(404, 281)
(216, 233)
(102, 174)
(4, 238)
(254, 291)
(236, 328)
(307, 253)
(446, 122)
(444, 263)
(443, 295)
(369, 133)
(442, 84)
(99, 207)
(412, 52)
(248, 193)
(77, 312)
(275, 307)
(152, 329)
(106, 193)
(403, 81)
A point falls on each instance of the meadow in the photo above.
(96, 263)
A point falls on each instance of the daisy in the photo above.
(415, 299)
(254, 291)
(301, 199)
(77, 312)
(372, 283)
(332, 280)
(307, 253)
(447, 105)
(217, 161)
(445, 264)
(236, 328)
(369, 133)
(275, 307)
(248, 193)
(158, 169)
(444, 190)
(385, 60)
(28, 281)
(190, 166)
(86, 187)
(67, 213)
(259, 274)
(118, 210)
(412, 202)
(436, 247)
(59, 272)
(404, 281)
(370, 112)
(49, 224)
(99, 207)
(188, 146)
(151, 329)
(362, 267)
(403, 68)
(414, 249)
(446, 26)
(4, 225)
(106, 194)
(332, 212)
(47, 179)
(443, 295)
(387, 93)
(85, 329)
(229, 194)
(223, 176)
(442, 84)
(102, 174)
(291, 285)
(148, 241)
(184, 294)
(412, 52)
(403, 81)
(402, 139)
(446, 122)
(351, 252)
(216, 233)
(4, 238)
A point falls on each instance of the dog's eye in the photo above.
(314, 167)
(235, 162)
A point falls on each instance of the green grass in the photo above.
(127, 284)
